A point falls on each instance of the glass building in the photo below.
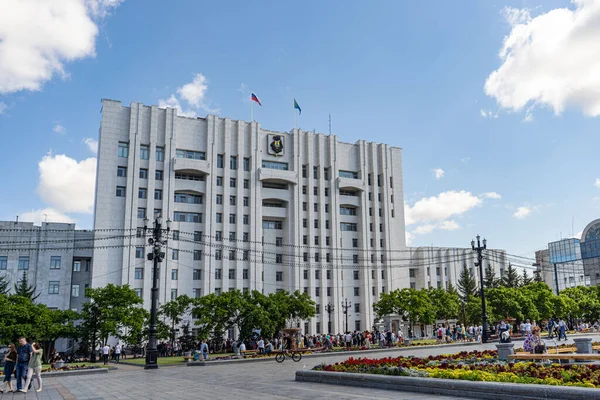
(590, 251)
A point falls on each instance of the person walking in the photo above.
(10, 360)
(35, 366)
(105, 353)
(261, 346)
(24, 352)
(562, 326)
(118, 353)
(204, 349)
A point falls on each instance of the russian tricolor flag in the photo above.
(255, 98)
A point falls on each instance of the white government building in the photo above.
(251, 209)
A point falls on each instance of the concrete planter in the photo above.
(77, 372)
(449, 387)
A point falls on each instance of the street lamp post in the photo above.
(157, 255)
(479, 249)
(329, 308)
(346, 306)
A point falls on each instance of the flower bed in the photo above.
(70, 367)
(473, 366)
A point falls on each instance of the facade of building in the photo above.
(590, 251)
(54, 258)
(251, 209)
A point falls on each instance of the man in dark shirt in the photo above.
(24, 352)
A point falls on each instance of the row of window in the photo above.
(55, 263)
(143, 173)
(123, 151)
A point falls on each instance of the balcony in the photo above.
(350, 183)
(274, 212)
(277, 175)
(191, 165)
(185, 185)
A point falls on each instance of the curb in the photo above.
(449, 387)
(58, 374)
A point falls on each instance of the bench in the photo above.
(554, 357)
(553, 351)
(188, 358)
(248, 352)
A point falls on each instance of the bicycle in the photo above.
(295, 355)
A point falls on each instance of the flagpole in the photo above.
(251, 109)
(294, 110)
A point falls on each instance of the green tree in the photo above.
(174, 311)
(542, 298)
(419, 307)
(537, 276)
(23, 289)
(4, 284)
(445, 303)
(467, 286)
(490, 280)
(111, 311)
(511, 278)
(525, 280)
(471, 311)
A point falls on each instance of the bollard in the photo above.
(584, 345)
(504, 350)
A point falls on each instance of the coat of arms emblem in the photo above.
(276, 145)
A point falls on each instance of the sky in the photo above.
(495, 104)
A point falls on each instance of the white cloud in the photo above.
(597, 183)
(424, 229)
(3, 108)
(522, 212)
(491, 195)
(38, 37)
(488, 113)
(58, 128)
(194, 94)
(552, 59)
(440, 207)
(91, 144)
(43, 215)
(67, 185)
(438, 173)
(194, 91)
(173, 102)
(449, 225)
(409, 238)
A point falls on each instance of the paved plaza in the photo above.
(247, 380)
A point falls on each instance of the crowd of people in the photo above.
(24, 361)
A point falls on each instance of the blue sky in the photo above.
(514, 160)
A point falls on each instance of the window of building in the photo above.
(279, 241)
(141, 212)
(305, 257)
(123, 150)
(233, 162)
(179, 216)
(219, 236)
(316, 172)
(138, 273)
(316, 240)
(317, 292)
(355, 258)
(383, 288)
(329, 291)
(53, 287)
(160, 154)
(246, 201)
(316, 207)
(348, 174)
(139, 252)
(232, 182)
(217, 291)
(326, 224)
(197, 274)
(305, 274)
(369, 179)
(219, 218)
(328, 274)
(304, 189)
(304, 206)
(246, 255)
(282, 166)
(245, 273)
(317, 274)
(232, 237)
(121, 191)
(139, 293)
(158, 175)
(326, 192)
(318, 308)
(372, 258)
(279, 276)
(55, 262)
(189, 198)
(190, 177)
(231, 273)
(317, 257)
(316, 191)
(144, 151)
(197, 293)
(354, 242)
(197, 255)
(246, 163)
(246, 183)
(142, 193)
(218, 273)
(23, 263)
(411, 272)
(326, 174)
(232, 218)
(219, 181)
(122, 171)
(327, 240)
(272, 224)
(220, 160)
(304, 170)
(197, 236)
(174, 274)
(173, 294)
(304, 223)
(355, 273)
(76, 265)
(74, 290)
(218, 254)
(316, 223)
(356, 291)
(174, 254)
(348, 227)
(357, 307)
(158, 194)
(357, 326)
(246, 219)
(232, 200)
